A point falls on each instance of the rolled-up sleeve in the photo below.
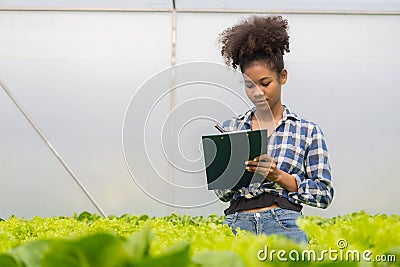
(224, 195)
(314, 184)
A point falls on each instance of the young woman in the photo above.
(296, 167)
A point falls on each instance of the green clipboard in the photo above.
(225, 154)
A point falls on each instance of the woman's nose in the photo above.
(258, 92)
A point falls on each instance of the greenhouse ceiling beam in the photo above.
(186, 10)
(171, 110)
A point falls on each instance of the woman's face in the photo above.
(263, 86)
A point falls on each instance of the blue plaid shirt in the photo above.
(298, 148)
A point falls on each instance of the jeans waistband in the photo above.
(271, 212)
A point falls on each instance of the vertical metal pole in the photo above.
(172, 105)
(12, 97)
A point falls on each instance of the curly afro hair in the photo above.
(258, 38)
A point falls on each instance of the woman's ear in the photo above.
(283, 76)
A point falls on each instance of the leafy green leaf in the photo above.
(99, 250)
(139, 244)
(218, 259)
(85, 215)
(176, 256)
(31, 254)
(8, 261)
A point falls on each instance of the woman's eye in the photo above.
(265, 84)
(249, 86)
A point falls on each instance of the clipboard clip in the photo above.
(219, 128)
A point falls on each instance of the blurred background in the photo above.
(83, 70)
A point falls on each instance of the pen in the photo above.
(219, 128)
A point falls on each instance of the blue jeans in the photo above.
(274, 221)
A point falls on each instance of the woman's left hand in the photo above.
(263, 165)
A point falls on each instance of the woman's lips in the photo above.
(261, 102)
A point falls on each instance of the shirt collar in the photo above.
(287, 114)
(246, 117)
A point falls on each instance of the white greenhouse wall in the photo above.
(76, 72)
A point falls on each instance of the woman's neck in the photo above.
(263, 117)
